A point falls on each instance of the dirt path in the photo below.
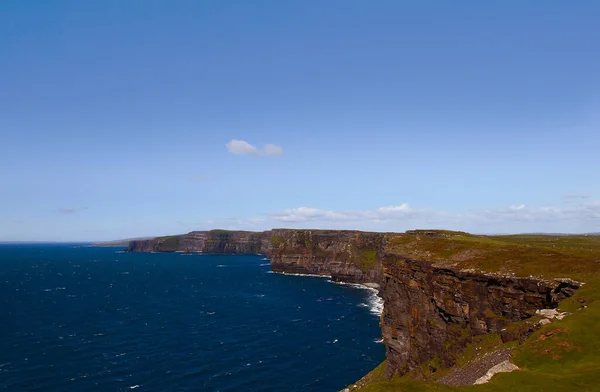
(468, 374)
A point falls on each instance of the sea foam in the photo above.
(374, 301)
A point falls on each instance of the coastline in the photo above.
(375, 298)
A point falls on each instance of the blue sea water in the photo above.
(99, 319)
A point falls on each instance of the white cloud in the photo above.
(70, 210)
(306, 214)
(271, 149)
(242, 147)
(391, 209)
(512, 219)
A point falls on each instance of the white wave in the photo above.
(134, 386)
(264, 258)
(375, 302)
(264, 265)
(379, 340)
(307, 275)
(221, 265)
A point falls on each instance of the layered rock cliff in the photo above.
(349, 256)
(432, 311)
(214, 242)
(345, 255)
(433, 306)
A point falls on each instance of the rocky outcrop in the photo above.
(214, 242)
(435, 312)
(349, 256)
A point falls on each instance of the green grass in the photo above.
(167, 244)
(541, 256)
(561, 356)
(366, 259)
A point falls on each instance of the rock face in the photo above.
(349, 256)
(431, 311)
(214, 242)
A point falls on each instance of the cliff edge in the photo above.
(213, 242)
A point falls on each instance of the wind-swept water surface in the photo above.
(98, 319)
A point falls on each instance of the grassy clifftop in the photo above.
(542, 256)
(563, 355)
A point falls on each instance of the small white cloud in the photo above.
(70, 210)
(242, 147)
(271, 149)
(518, 207)
(391, 209)
(304, 214)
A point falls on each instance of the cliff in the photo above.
(117, 243)
(436, 297)
(432, 311)
(349, 256)
(214, 242)
(457, 307)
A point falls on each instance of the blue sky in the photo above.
(123, 119)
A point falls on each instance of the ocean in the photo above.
(78, 318)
